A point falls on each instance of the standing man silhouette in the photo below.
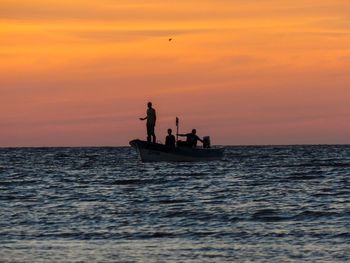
(151, 122)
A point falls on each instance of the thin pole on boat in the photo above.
(177, 128)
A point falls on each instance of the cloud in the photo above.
(113, 35)
(170, 11)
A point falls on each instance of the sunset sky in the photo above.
(80, 72)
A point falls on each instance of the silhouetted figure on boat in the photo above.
(170, 139)
(151, 122)
(191, 138)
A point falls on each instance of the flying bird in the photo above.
(170, 39)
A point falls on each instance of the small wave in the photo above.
(157, 235)
(133, 182)
(325, 164)
(191, 234)
(8, 197)
(334, 194)
(61, 155)
(172, 214)
(174, 201)
(323, 194)
(18, 183)
(194, 174)
(86, 165)
(342, 235)
(314, 215)
(312, 175)
(73, 235)
(267, 215)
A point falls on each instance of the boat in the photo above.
(156, 152)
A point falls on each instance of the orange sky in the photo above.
(80, 72)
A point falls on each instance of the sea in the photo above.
(259, 204)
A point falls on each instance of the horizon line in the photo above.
(224, 145)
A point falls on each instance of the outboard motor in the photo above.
(206, 142)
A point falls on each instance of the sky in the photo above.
(245, 72)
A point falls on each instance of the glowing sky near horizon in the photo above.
(79, 73)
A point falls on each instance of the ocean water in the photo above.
(262, 204)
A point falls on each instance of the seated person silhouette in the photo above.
(191, 138)
(170, 139)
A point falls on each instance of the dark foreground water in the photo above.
(265, 204)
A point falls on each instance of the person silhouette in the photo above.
(191, 138)
(151, 122)
(170, 139)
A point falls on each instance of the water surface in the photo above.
(266, 204)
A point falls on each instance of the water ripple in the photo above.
(272, 203)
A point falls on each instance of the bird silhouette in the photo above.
(170, 39)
